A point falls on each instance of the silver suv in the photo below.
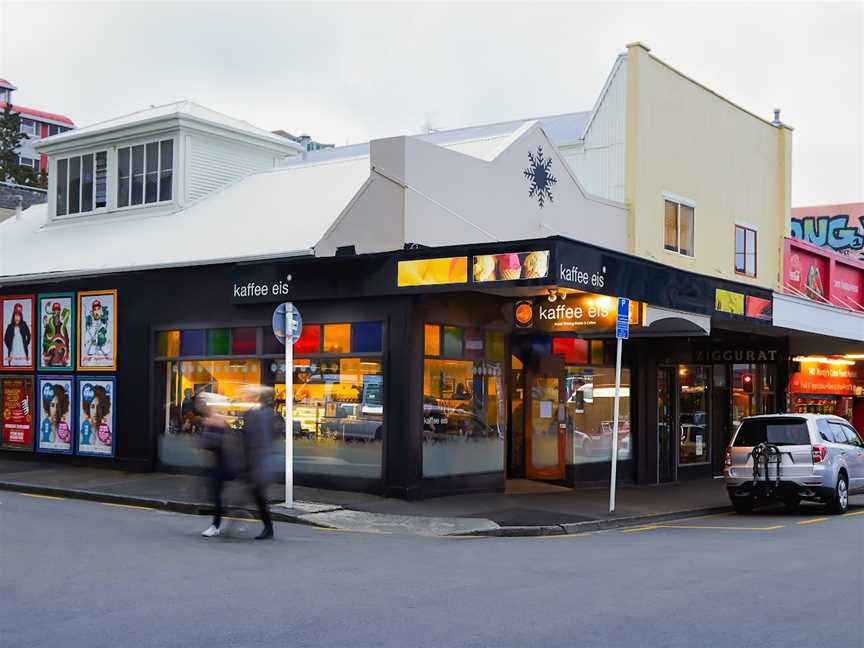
(790, 457)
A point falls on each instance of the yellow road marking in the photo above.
(48, 497)
(851, 514)
(813, 520)
(562, 535)
(703, 527)
(127, 506)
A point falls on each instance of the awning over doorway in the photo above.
(664, 322)
(799, 314)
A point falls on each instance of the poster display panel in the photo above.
(97, 330)
(16, 424)
(56, 414)
(96, 396)
(55, 314)
(17, 325)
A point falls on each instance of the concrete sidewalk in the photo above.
(527, 508)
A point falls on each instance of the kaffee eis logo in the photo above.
(523, 314)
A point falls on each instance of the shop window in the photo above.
(574, 350)
(192, 342)
(678, 228)
(474, 340)
(464, 417)
(310, 339)
(590, 394)
(432, 340)
(694, 446)
(745, 251)
(168, 344)
(452, 341)
(366, 337)
(496, 345)
(244, 341)
(218, 342)
(337, 338)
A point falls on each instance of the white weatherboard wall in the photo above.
(443, 197)
(598, 159)
(213, 163)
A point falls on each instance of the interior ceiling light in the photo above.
(824, 360)
(854, 356)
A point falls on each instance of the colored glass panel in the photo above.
(474, 342)
(192, 342)
(168, 344)
(218, 342)
(452, 341)
(575, 351)
(310, 339)
(366, 337)
(244, 341)
(596, 351)
(496, 345)
(432, 340)
(337, 338)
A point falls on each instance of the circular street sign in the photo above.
(280, 323)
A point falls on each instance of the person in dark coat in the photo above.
(258, 427)
(213, 434)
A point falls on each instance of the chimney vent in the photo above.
(777, 121)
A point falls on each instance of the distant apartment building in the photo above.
(37, 124)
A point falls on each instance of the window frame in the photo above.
(55, 177)
(679, 201)
(115, 191)
(746, 229)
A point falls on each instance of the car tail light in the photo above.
(728, 460)
(819, 454)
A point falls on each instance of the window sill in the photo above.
(745, 275)
(679, 255)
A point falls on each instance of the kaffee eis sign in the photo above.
(575, 313)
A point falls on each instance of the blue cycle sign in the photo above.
(293, 323)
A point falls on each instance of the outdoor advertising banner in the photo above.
(17, 326)
(806, 273)
(56, 317)
(847, 284)
(97, 330)
(56, 419)
(96, 428)
(16, 396)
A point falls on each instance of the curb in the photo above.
(305, 517)
(190, 508)
(590, 526)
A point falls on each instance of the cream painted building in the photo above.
(706, 181)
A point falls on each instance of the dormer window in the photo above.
(82, 183)
(145, 173)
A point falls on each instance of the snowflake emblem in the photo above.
(540, 176)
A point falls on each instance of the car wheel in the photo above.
(840, 502)
(743, 504)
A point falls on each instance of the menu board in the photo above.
(16, 395)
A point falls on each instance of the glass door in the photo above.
(545, 426)
(666, 442)
(693, 392)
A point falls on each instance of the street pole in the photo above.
(615, 426)
(289, 405)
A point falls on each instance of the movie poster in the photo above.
(16, 396)
(56, 316)
(97, 330)
(17, 326)
(56, 414)
(96, 402)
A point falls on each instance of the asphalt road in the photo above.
(78, 573)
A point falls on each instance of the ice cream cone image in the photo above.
(536, 265)
(509, 267)
(484, 268)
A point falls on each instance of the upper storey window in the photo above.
(678, 228)
(145, 173)
(82, 183)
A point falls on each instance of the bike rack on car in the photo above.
(765, 454)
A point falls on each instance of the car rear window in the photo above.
(781, 431)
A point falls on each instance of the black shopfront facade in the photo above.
(414, 378)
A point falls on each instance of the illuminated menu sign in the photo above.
(582, 312)
(432, 272)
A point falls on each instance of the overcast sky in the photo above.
(350, 72)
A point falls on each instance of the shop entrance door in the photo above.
(667, 446)
(545, 425)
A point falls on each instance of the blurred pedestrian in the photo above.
(259, 425)
(214, 439)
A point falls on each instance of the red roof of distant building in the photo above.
(38, 114)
